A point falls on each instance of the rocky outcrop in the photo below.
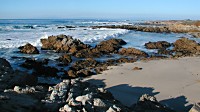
(63, 43)
(157, 45)
(104, 47)
(29, 49)
(186, 47)
(158, 29)
(132, 52)
(75, 95)
(110, 46)
(9, 77)
(160, 26)
(149, 103)
(23, 99)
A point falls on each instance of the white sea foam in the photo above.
(14, 39)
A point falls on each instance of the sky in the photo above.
(101, 9)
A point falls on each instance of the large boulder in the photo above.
(29, 49)
(63, 43)
(186, 47)
(157, 45)
(110, 46)
(132, 52)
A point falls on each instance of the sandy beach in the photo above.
(174, 82)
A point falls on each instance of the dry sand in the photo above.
(175, 83)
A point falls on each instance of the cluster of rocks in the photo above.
(75, 95)
(181, 47)
(10, 77)
(186, 47)
(13, 93)
(161, 46)
(66, 44)
(63, 43)
(132, 52)
(89, 66)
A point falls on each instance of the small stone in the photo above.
(66, 108)
(99, 103)
(84, 98)
(72, 102)
(137, 68)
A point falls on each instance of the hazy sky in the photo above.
(130, 9)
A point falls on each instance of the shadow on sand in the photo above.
(129, 95)
(179, 104)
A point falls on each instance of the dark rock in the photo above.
(132, 52)
(157, 45)
(126, 60)
(70, 27)
(29, 49)
(82, 64)
(4, 63)
(9, 78)
(66, 59)
(60, 27)
(186, 47)
(85, 73)
(165, 52)
(88, 53)
(21, 79)
(137, 68)
(39, 68)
